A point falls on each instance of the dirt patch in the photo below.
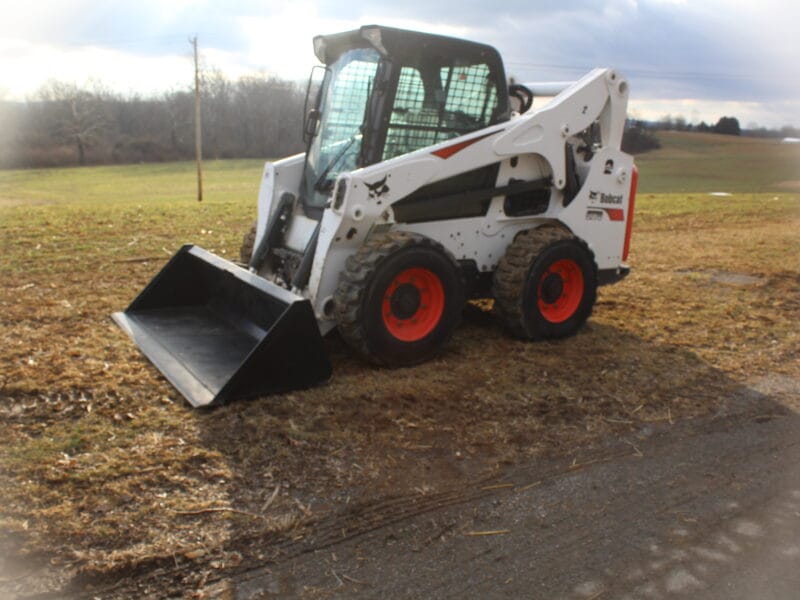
(776, 385)
(726, 277)
(791, 185)
(12, 202)
(738, 279)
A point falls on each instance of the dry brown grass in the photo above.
(105, 470)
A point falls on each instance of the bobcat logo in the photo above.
(592, 195)
(378, 189)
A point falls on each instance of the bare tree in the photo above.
(252, 117)
(75, 115)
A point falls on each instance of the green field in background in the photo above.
(686, 163)
(706, 162)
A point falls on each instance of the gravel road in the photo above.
(708, 508)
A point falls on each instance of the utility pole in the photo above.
(198, 134)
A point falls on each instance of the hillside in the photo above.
(706, 162)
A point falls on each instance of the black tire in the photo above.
(546, 284)
(399, 299)
(248, 245)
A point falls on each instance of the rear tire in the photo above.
(248, 245)
(546, 284)
(399, 299)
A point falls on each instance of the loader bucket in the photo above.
(218, 332)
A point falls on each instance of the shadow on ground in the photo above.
(377, 447)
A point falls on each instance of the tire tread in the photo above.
(356, 277)
(512, 272)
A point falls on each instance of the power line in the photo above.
(171, 39)
(655, 73)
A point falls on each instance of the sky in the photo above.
(698, 59)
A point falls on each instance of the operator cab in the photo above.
(387, 92)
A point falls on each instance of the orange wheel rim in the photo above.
(560, 290)
(413, 304)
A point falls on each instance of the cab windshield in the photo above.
(342, 111)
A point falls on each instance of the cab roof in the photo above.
(402, 43)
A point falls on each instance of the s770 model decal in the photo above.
(595, 213)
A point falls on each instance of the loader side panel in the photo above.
(449, 198)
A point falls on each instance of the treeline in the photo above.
(640, 136)
(253, 117)
(725, 126)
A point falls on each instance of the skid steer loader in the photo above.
(428, 180)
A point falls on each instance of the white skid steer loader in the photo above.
(420, 189)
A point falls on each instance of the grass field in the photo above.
(227, 181)
(106, 473)
(706, 162)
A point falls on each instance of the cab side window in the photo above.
(437, 102)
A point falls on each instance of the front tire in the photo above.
(248, 245)
(546, 284)
(399, 299)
